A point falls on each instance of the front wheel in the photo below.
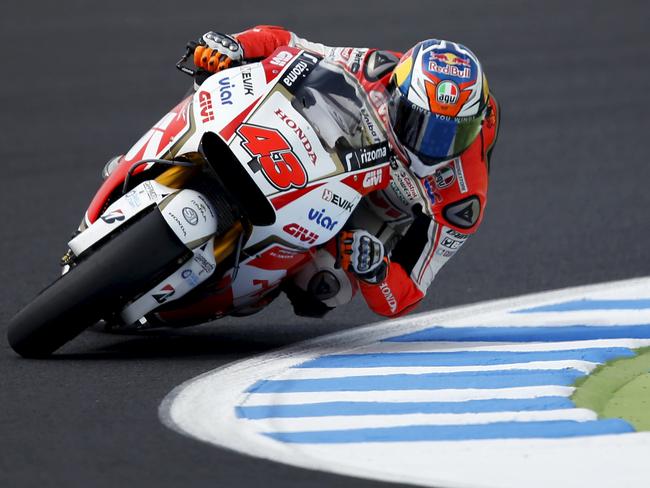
(128, 264)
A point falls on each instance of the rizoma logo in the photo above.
(388, 295)
(301, 233)
(205, 103)
(372, 178)
(295, 72)
(371, 155)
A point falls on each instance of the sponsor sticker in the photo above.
(321, 218)
(447, 92)
(461, 175)
(334, 199)
(281, 59)
(444, 177)
(189, 276)
(299, 232)
(247, 81)
(449, 64)
(388, 296)
(207, 266)
(299, 70)
(205, 105)
(114, 216)
(190, 216)
(164, 294)
(367, 157)
(304, 140)
(225, 91)
(372, 178)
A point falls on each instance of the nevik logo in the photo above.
(301, 233)
(205, 103)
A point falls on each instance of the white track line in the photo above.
(204, 408)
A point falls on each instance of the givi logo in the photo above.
(205, 103)
(301, 233)
(372, 178)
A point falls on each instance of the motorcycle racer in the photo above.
(442, 125)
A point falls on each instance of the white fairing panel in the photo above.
(141, 197)
(187, 277)
(190, 216)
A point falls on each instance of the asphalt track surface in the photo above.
(568, 201)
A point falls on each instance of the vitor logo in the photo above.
(190, 216)
(247, 81)
(301, 233)
(447, 92)
(114, 216)
(164, 294)
(372, 178)
(389, 297)
(300, 133)
(330, 196)
(322, 219)
(281, 59)
(225, 93)
(205, 103)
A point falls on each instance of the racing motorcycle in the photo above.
(218, 204)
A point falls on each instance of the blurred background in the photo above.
(81, 81)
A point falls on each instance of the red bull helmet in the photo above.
(438, 100)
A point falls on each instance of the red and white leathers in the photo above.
(421, 221)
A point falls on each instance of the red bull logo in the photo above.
(449, 64)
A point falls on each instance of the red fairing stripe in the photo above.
(262, 40)
(288, 197)
(373, 179)
(395, 296)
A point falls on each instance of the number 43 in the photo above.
(274, 154)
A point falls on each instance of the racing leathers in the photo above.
(422, 222)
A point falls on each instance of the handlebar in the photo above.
(189, 51)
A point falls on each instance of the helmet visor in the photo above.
(432, 137)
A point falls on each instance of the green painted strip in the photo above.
(619, 389)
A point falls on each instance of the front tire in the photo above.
(126, 265)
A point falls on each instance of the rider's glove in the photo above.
(216, 52)
(362, 254)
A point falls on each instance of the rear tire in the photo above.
(126, 265)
